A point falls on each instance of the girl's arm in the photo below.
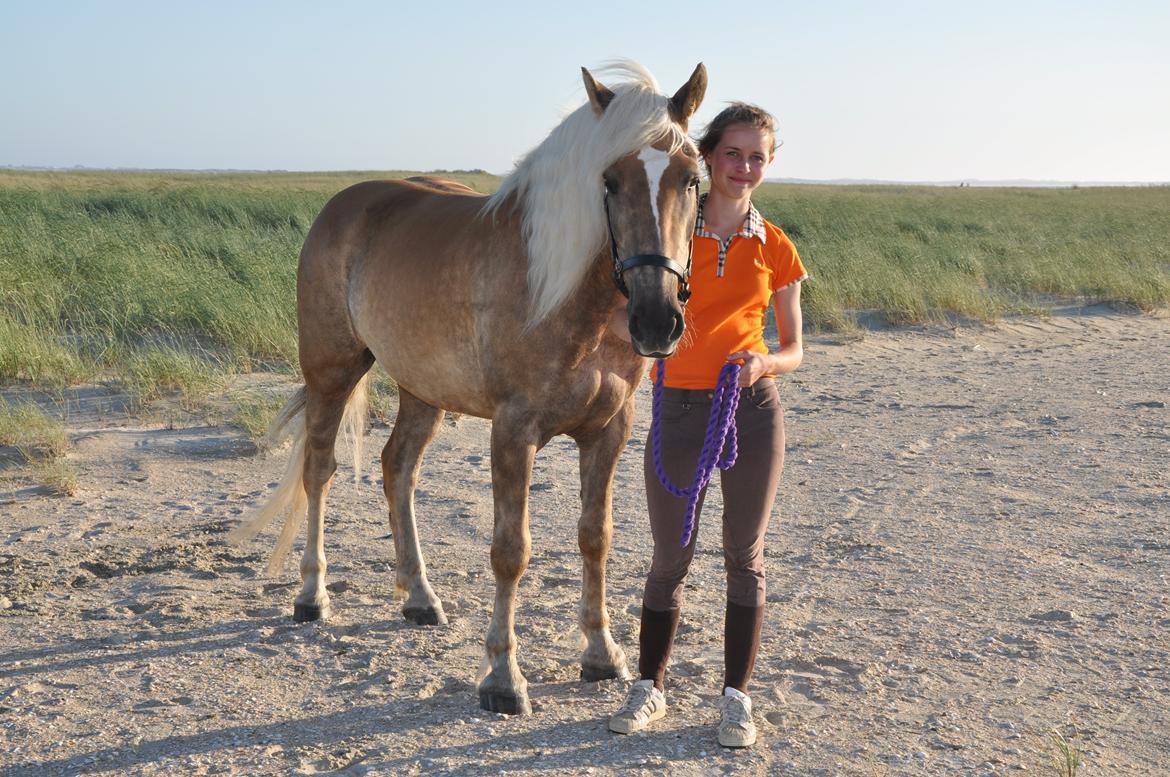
(786, 304)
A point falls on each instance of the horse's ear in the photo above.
(599, 95)
(686, 100)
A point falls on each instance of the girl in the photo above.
(741, 263)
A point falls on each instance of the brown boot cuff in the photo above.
(741, 643)
(655, 642)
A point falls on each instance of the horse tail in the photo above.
(353, 423)
(290, 497)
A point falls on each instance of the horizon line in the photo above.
(838, 181)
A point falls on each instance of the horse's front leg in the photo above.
(602, 659)
(514, 443)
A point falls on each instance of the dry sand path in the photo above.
(971, 547)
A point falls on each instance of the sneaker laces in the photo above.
(640, 696)
(735, 712)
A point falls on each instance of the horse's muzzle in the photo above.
(655, 333)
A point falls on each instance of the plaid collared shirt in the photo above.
(753, 226)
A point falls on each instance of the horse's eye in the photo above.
(694, 184)
(610, 185)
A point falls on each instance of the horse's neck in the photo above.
(598, 294)
(580, 323)
(583, 319)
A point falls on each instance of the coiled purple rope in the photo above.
(720, 435)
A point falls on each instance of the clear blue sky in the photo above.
(894, 90)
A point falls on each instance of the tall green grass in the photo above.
(164, 281)
(156, 280)
(915, 253)
(100, 279)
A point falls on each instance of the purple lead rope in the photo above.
(720, 436)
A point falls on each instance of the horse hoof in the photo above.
(304, 613)
(425, 616)
(593, 674)
(506, 703)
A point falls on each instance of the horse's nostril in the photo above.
(632, 324)
(679, 327)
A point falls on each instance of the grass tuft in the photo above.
(383, 395)
(1064, 752)
(42, 442)
(57, 474)
(28, 429)
(255, 414)
(152, 372)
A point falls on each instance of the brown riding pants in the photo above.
(749, 491)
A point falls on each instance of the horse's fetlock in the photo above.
(312, 569)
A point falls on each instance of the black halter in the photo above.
(651, 260)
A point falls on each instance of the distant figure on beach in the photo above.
(741, 264)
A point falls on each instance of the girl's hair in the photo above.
(736, 113)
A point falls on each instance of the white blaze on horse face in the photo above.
(655, 162)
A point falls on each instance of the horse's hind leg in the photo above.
(327, 390)
(414, 427)
(602, 659)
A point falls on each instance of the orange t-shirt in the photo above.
(726, 313)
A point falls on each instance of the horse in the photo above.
(497, 307)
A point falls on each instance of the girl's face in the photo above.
(740, 160)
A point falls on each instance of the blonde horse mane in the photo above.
(558, 184)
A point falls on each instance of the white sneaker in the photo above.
(644, 705)
(735, 725)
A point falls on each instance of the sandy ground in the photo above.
(970, 549)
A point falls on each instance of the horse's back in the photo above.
(441, 184)
(376, 221)
(381, 204)
(404, 267)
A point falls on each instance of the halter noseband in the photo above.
(651, 260)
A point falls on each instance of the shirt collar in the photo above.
(753, 225)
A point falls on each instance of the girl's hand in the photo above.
(755, 366)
